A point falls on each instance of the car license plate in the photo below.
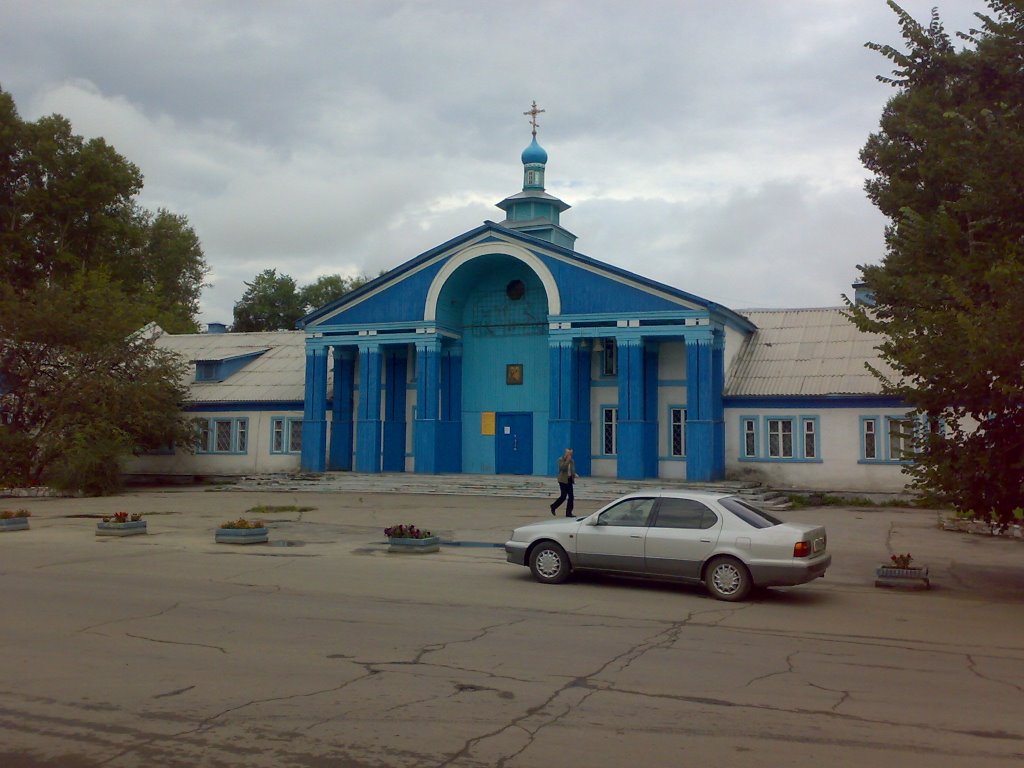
(819, 544)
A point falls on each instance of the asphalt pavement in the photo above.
(321, 649)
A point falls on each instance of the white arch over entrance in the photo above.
(489, 249)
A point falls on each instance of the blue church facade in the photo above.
(496, 350)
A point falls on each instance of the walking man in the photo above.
(566, 477)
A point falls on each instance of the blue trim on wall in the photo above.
(254, 407)
(812, 402)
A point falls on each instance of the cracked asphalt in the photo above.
(321, 649)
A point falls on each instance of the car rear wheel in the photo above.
(728, 579)
(549, 563)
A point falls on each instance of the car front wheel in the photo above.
(728, 579)
(549, 563)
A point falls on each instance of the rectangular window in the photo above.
(610, 420)
(222, 435)
(242, 436)
(202, 428)
(780, 438)
(609, 359)
(901, 438)
(277, 436)
(810, 439)
(869, 429)
(677, 417)
(285, 435)
(749, 438)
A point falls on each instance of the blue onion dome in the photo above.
(534, 153)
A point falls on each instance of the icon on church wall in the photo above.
(514, 373)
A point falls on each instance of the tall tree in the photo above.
(271, 302)
(327, 288)
(948, 172)
(82, 268)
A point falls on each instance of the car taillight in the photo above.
(802, 549)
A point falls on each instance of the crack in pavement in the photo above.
(843, 698)
(661, 639)
(176, 642)
(973, 668)
(787, 671)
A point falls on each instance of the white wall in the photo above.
(839, 449)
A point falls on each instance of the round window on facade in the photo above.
(515, 290)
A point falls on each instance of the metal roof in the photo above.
(275, 375)
(805, 352)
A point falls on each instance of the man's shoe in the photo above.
(552, 510)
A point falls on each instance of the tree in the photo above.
(273, 301)
(328, 288)
(82, 268)
(270, 302)
(948, 172)
(82, 387)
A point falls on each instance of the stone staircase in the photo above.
(526, 486)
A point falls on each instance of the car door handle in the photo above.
(705, 541)
(635, 536)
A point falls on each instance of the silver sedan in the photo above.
(694, 537)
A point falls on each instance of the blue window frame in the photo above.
(609, 430)
(677, 432)
(222, 434)
(794, 438)
(285, 435)
(888, 439)
(749, 437)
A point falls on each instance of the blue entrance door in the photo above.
(513, 443)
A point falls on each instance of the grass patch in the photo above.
(269, 509)
(800, 500)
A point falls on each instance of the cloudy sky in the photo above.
(708, 144)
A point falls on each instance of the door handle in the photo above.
(635, 536)
(705, 541)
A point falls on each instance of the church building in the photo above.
(495, 351)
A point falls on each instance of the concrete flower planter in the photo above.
(902, 578)
(14, 524)
(242, 535)
(414, 546)
(129, 528)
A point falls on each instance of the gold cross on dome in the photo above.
(532, 114)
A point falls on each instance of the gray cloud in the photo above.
(712, 146)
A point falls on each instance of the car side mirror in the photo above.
(593, 521)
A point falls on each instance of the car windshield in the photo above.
(756, 518)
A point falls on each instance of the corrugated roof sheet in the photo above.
(277, 374)
(805, 352)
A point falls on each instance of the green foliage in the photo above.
(82, 268)
(948, 165)
(327, 288)
(272, 301)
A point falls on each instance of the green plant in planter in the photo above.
(8, 514)
(406, 532)
(241, 524)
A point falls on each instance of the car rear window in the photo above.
(756, 518)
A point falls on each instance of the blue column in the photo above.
(368, 423)
(426, 430)
(631, 437)
(717, 406)
(581, 418)
(700, 409)
(396, 365)
(562, 392)
(651, 415)
(449, 439)
(314, 420)
(342, 431)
